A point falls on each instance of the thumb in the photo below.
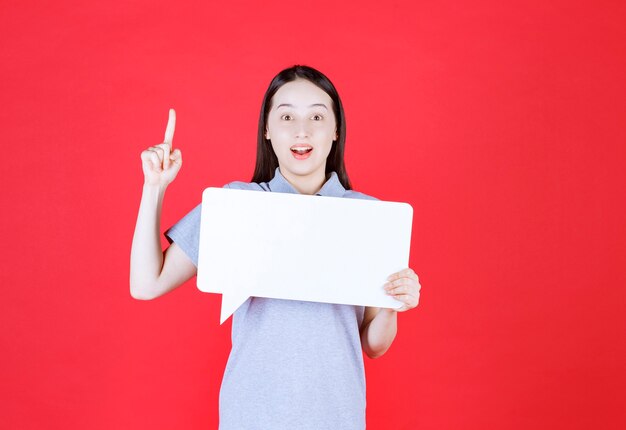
(176, 156)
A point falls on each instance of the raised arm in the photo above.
(152, 271)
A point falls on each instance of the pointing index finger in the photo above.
(171, 125)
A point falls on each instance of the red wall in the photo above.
(502, 123)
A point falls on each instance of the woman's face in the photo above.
(301, 126)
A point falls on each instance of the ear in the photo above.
(267, 134)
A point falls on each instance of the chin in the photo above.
(302, 169)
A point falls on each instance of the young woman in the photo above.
(293, 364)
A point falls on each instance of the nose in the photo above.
(302, 130)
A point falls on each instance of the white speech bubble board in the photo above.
(300, 247)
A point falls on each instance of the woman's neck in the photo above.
(309, 184)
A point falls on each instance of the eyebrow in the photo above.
(313, 105)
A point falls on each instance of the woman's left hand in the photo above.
(405, 287)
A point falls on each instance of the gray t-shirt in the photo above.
(293, 364)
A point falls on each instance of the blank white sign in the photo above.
(300, 247)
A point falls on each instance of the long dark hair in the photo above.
(266, 161)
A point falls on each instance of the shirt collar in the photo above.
(332, 187)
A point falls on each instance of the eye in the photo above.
(286, 117)
(317, 117)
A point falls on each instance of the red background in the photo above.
(500, 122)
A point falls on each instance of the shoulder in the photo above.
(351, 194)
(252, 186)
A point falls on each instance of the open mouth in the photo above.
(301, 150)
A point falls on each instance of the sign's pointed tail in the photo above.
(230, 303)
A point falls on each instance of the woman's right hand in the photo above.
(159, 163)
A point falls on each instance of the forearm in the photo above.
(146, 256)
(379, 334)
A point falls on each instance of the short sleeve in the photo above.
(186, 233)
